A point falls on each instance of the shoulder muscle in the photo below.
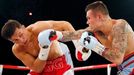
(119, 35)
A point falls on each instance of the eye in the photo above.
(15, 40)
(20, 34)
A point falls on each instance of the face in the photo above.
(20, 36)
(93, 20)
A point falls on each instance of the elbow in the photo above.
(68, 26)
(35, 69)
(118, 62)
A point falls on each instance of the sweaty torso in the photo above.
(107, 40)
(31, 47)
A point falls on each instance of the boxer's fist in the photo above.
(44, 44)
(90, 42)
(81, 53)
(44, 37)
(49, 36)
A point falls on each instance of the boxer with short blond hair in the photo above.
(114, 38)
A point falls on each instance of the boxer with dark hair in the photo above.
(32, 48)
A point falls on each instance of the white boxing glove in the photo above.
(44, 44)
(53, 35)
(81, 53)
(45, 38)
(89, 41)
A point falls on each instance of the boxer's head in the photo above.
(96, 13)
(14, 31)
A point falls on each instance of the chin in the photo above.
(21, 44)
(93, 30)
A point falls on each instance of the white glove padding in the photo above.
(49, 36)
(44, 44)
(43, 37)
(44, 52)
(91, 42)
(81, 53)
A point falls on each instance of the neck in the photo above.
(30, 36)
(107, 26)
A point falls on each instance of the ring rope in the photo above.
(75, 69)
(94, 67)
(15, 67)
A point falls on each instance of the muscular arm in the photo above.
(73, 35)
(119, 44)
(67, 29)
(56, 25)
(30, 61)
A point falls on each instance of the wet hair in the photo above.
(97, 6)
(9, 28)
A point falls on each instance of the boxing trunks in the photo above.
(67, 54)
(127, 67)
(57, 66)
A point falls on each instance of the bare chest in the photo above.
(32, 48)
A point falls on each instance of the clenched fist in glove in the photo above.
(81, 53)
(45, 39)
(90, 42)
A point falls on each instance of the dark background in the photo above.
(69, 10)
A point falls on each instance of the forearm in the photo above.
(71, 35)
(114, 54)
(38, 65)
(44, 45)
(34, 63)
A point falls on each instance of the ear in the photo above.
(99, 16)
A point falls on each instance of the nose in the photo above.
(87, 22)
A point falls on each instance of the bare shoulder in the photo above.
(62, 25)
(14, 48)
(119, 34)
(39, 26)
(42, 23)
(121, 22)
(119, 30)
(17, 51)
(119, 26)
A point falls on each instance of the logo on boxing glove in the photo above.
(53, 35)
